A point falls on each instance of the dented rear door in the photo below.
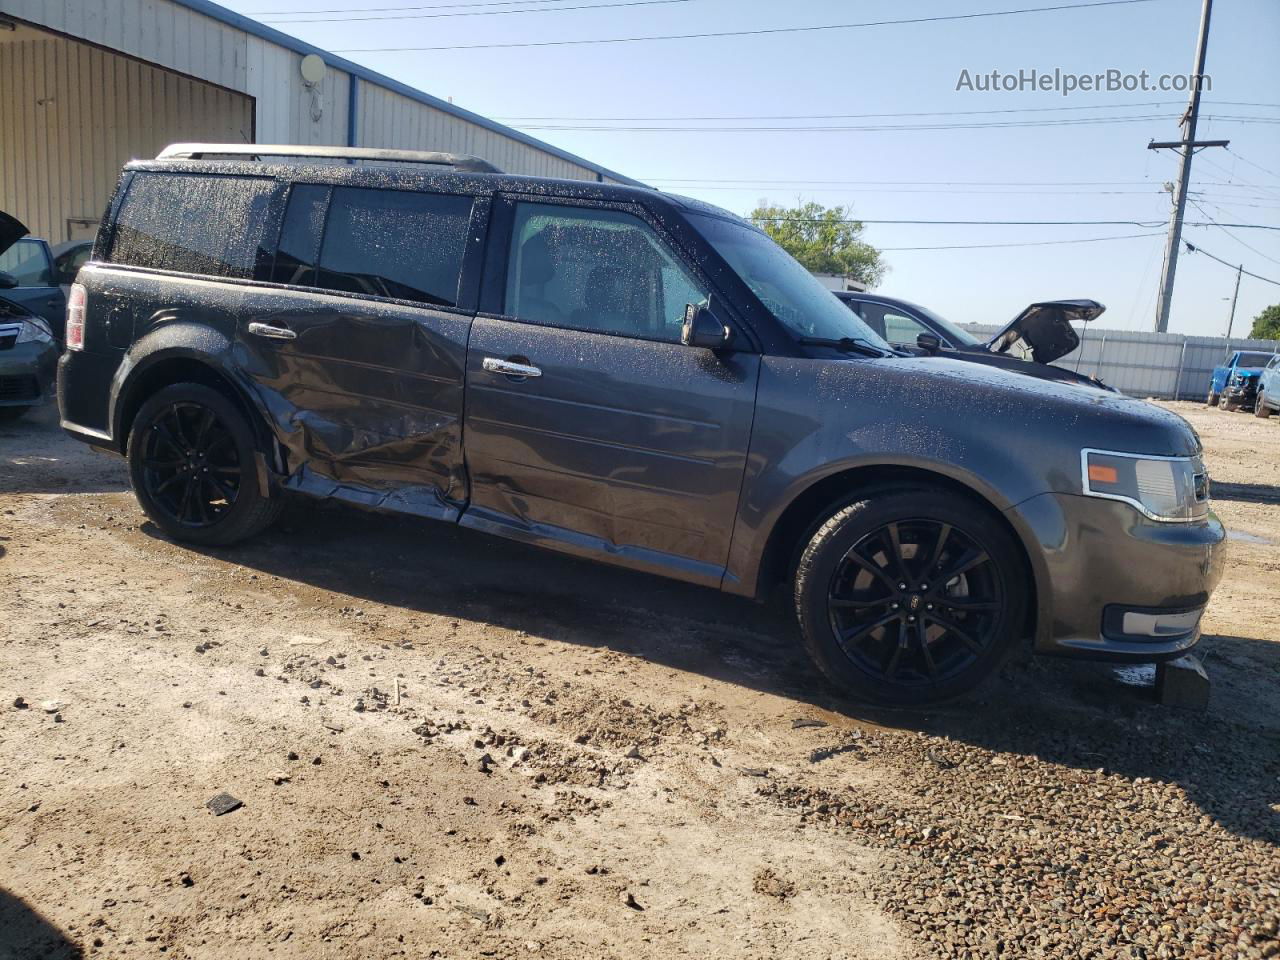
(360, 359)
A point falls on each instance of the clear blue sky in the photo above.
(894, 69)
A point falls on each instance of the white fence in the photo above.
(1163, 365)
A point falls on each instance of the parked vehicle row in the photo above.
(628, 376)
(28, 334)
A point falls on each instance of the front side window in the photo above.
(395, 243)
(27, 261)
(208, 225)
(598, 270)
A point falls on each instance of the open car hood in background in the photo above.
(1045, 329)
(11, 231)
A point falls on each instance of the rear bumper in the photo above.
(28, 373)
(1113, 585)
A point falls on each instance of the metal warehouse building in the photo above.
(86, 85)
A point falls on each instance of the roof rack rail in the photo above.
(200, 151)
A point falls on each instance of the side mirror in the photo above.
(929, 342)
(7, 281)
(703, 329)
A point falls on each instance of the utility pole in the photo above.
(1186, 147)
(1232, 318)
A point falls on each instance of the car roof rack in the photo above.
(200, 151)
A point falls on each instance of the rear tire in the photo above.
(11, 413)
(961, 612)
(1229, 405)
(193, 466)
(1260, 408)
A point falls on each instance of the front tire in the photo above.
(911, 597)
(1229, 405)
(193, 467)
(1260, 408)
(1212, 400)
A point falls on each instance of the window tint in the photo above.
(28, 262)
(393, 243)
(899, 328)
(193, 224)
(299, 246)
(596, 270)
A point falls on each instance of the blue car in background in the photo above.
(1268, 399)
(1234, 384)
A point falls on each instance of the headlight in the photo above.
(1171, 489)
(35, 330)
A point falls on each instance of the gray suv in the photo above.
(624, 375)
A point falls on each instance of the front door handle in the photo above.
(510, 368)
(273, 333)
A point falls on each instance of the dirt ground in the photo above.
(452, 746)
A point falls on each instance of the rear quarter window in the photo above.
(208, 225)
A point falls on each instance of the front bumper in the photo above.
(28, 373)
(1242, 393)
(1113, 585)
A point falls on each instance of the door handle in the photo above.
(273, 333)
(510, 368)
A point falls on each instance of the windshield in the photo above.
(1254, 359)
(789, 291)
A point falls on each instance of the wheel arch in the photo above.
(812, 505)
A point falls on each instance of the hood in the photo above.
(11, 231)
(1045, 329)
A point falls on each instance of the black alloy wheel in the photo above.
(190, 466)
(915, 602)
(912, 596)
(192, 461)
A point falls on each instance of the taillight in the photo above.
(75, 317)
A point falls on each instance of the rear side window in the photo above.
(207, 225)
(299, 246)
(395, 243)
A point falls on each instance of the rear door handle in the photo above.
(510, 368)
(273, 333)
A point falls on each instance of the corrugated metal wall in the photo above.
(1163, 365)
(171, 35)
(71, 115)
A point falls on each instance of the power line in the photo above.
(1192, 248)
(426, 6)
(480, 13)
(1036, 243)
(1252, 164)
(849, 116)
(1148, 224)
(752, 33)
(881, 128)
(1264, 256)
(925, 183)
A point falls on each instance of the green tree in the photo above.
(823, 239)
(1266, 325)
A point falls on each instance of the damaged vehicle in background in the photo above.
(1234, 384)
(28, 350)
(1039, 335)
(627, 376)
